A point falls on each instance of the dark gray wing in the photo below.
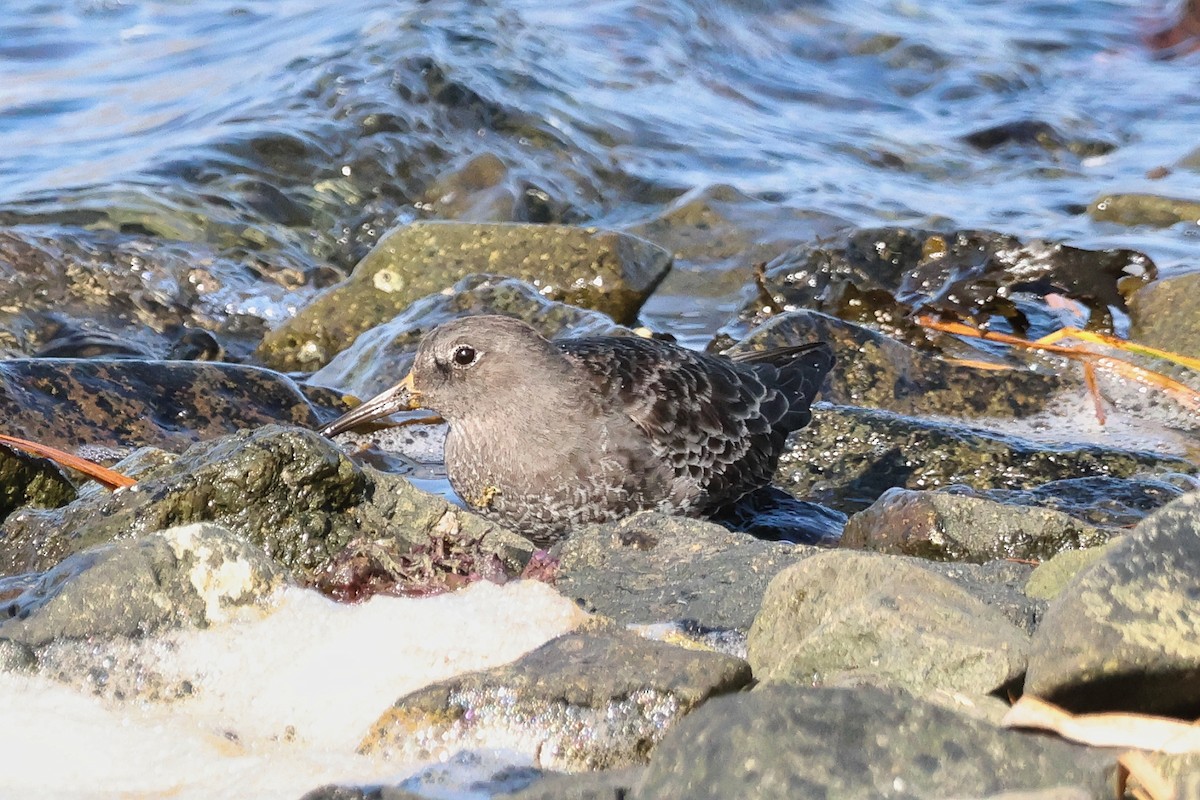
(797, 371)
(718, 424)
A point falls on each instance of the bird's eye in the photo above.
(464, 355)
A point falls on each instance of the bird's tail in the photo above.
(798, 372)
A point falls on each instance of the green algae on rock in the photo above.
(1144, 209)
(188, 575)
(946, 527)
(844, 616)
(877, 371)
(1052, 576)
(1124, 635)
(1166, 314)
(288, 490)
(847, 457)
(602, 270)
(28, 480)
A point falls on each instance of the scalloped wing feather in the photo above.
(719, 424)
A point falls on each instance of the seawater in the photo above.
(857, 109)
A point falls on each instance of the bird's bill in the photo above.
(401, 397)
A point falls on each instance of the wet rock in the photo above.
(287, 490)
(483, 773)
(1165, 315)
(1125, 633)
(1026, 133)
(132, 294)
(882, 277)
(720, 226)
(602, 270)
(380, 357)
(1144, 209)
(27, 480)
(773, 514)
(847, 457)
(447, 558)
(717, 234)
(877, 371)
(188, 575)
(841, 616)
(786, 742)
(946, 527)
(482, 188)
(66, 403)
(1182, 36)
(612, 784)
(652, 568)
(1099, 500)
(334, 792)
(587, 700)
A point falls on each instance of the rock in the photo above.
(27, 480)
(997, 584)
(611, 784)
(479, 773)
(288, 490)
(1099, 500)
(1051, 793)
(884, 277)
(946, 527)
(334, 792)
(847, 457)
(878, 371)
(1051, 577)
(380, 356)
(78, 292)
(1035, 133)
(601, 270)
(788, 742)
(772, 514)
(16, 656)
(1144, 209)
(586, 700)
(1164, 314)
(482, 188)
(717, 234)
(651, 567)
(1177, 39)
(66, 403)
(721, 227)
(1180, 772)
(188, 575)
(1124, 635)
(841, 616)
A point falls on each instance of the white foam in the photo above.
(280, 702)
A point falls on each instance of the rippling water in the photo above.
(854, 108)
